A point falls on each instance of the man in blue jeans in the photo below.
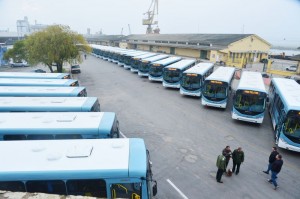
(275, 169)
(272, 159)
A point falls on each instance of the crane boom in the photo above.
(149, 20)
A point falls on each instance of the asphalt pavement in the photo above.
(184, 138)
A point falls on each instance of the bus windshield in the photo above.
(250, 102)
(191, 82)
(144, 67)
(291, 126)
(215, 90)
(172, 75)
(156, 70)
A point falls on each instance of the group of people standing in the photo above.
(238, 156)
(222, 161)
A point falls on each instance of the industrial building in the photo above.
(231, 49)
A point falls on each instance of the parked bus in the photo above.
(49, 104)
(57, 125)
(128, 58)
(172, 73)
(135, 61)
(217, 87)
(28, 75)
(249, 101)
(102, 168)
(144, 64)
(284, 109)
(156, 68)
(193, 78)
(38, 82)
(21, 91)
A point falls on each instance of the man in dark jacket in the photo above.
(272, 159)
(227, 153)
(275, 169)
(221, 163)
(237, 158)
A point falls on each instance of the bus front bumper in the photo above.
(285, 145)
(205, 103)
(196, 94)
(165, 84)
(247, 119)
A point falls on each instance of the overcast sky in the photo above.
(277, 21)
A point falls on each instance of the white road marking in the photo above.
(180, 192)
(123, 135)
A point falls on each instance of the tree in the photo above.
(57, 45)
(17, 53)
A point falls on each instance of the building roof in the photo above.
(214, 39)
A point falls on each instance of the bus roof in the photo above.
(32, 75)
(144, 56)
(289, 91)
(251, 81)
(50, 122)
(36, 82)
(73, 159)
(182, 63)
(200, 68)
(155, 58)
(167, 61)
(19, 91)
(35, 104)
(223, 74)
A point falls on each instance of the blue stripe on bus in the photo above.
(261, 115)
(137, 165)
(106, 124)
(88, 104)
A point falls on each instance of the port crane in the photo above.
(149, 20)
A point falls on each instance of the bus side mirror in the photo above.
(154, 188)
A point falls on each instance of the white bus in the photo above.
(217, 87)
(156, 68)
(284, 109)
(58, 125)
(49, 104)
(144, 64)
(193, 78)
(135, 61)
(172, 74)
(249, 101)
(31, 75)
(102, 168)
(38, 82)
(21, 91)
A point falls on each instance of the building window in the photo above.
(213, 55)
(241, 55)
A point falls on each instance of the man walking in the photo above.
(221, 164)
(275, 169)
(227, 153)
(237, 158)
(272, 159)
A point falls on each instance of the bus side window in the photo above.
(47, 186)
(94, 187)
(126, 190)
(40, 137)
(14, 137)
(14, 186)
(68, 136)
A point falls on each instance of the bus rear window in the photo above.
(47, 186)
(93, 188)
(14, 186)
(14, 137)
(68, 136)
(82, 93)
(40, 137)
